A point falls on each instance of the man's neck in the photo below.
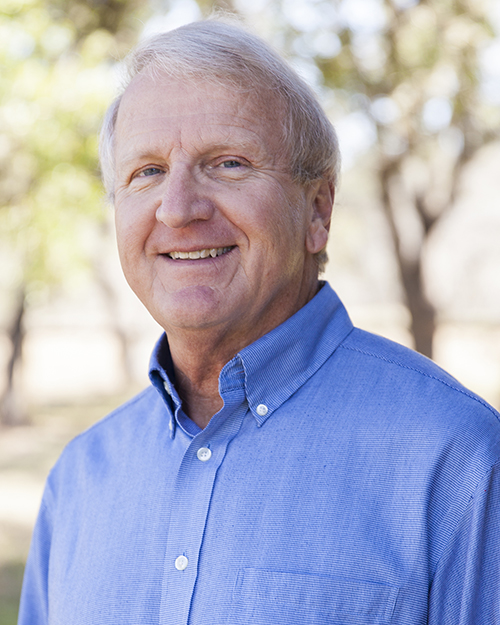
(198, 356)
(200, 399)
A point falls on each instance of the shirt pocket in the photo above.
(264, 597)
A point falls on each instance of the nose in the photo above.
(183, 199)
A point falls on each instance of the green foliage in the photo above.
(57, 81)
(427, 50)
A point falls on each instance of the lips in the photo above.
(196, 254)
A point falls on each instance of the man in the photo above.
(284, 467)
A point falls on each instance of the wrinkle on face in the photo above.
(182, 131)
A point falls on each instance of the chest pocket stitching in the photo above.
(266, 596)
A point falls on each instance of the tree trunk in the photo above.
(113, 306)
(422, 311)
(12, 410)
(119, 331)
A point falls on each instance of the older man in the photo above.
(284, 468)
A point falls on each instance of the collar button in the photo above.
(262, 410)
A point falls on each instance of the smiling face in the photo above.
(212, 232)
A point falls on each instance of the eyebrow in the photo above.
(156, 152)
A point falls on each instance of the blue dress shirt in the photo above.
(346, 481)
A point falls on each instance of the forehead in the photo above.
(159, 108)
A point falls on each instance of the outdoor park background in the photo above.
(413, 89)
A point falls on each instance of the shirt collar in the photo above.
(278, 363)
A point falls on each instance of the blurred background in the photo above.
(413, 88)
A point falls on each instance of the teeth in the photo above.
(205, 253)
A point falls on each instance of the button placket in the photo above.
(191, 502)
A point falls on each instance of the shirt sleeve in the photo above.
(466, 585)
(34, 609)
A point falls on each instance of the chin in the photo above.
(191, 308)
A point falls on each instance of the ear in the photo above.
(322, 197)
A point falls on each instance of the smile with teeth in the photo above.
(213, 252)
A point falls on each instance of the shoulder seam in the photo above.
(427, 375)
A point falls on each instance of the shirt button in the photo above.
(262, 410)
(165, 386)
(204, 454)
(181, 563)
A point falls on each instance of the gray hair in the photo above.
(222, 53)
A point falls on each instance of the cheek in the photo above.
(266, 213)
(132, 229)
(125, 237)
(282, 226)
(130, 242)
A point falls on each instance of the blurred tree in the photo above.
(419, 81)
(412, 70)
(57, 59)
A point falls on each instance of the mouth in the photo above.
(204, 253)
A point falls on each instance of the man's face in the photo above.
(212, 232)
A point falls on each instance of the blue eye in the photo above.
(231, 164)
(150, 171)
